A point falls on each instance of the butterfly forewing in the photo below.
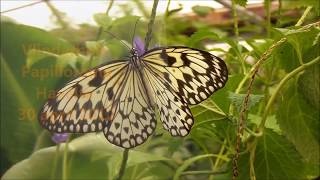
(85, 103)
(192, 73)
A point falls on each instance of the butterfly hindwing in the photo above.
(134, 120)
(175, 114)
(194, 74)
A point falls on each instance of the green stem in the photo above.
(304, 15)
(100, 31)
(202, 172)
(142, 8)
(150, 25)
(123, 164)
(190, 161)
(57, 14)
(267, 4)
(24, 6)
(223, 147)
(65, 160)
(55, 162)
(281, 84)
(166, 14)
(235, 19)
(40, 140)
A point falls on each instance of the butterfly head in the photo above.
(134, 52)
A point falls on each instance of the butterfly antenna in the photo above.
(118, 39)
(134, 30)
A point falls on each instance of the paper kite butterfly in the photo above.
(121, 98)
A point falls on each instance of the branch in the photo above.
(281, 84)
(243, 11)
(123, 164)
(24, 6)
(244, 109)
(150, 25)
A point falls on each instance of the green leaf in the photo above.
(221, 97)
(95, 46)
(309, 86)
(299, 122)
(201, 35)
(301, 3)
(271, 122)
(202, 10)
(275, 158)
(237, 100)
(23, 89)
(101, 159)
(102, 20)
(241, 2)
(34, 56)
(302, 42)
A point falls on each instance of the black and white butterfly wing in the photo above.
(175, 114)
(134, 119)
(109, 98)
(179, 76)
(193, 74)
(85, 103)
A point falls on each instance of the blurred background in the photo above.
(46, 43)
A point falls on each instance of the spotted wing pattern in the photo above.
(175, 114)
(193, 74)
(85, 103)
(134, 119)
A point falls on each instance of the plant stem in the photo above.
(40, 140)
(304, 15)
(202, 172)
(24, 6)
(123, 164)
(281, 84)
(65, 160)
(142, 8)
(220, 155)
(57, 14)
(100, 30)
(254, 71)
(190, 161)
(150, 25)
(267, 4)
(55, 162)
(235, 19)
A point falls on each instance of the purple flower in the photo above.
(139, 45)
(60, 137)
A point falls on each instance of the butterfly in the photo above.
(121, 98)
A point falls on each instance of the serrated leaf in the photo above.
(299, 122)
(275, 158)
(237, 100)
(271, 122)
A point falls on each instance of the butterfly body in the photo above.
(120, 98)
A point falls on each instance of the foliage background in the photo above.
(281, 131)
